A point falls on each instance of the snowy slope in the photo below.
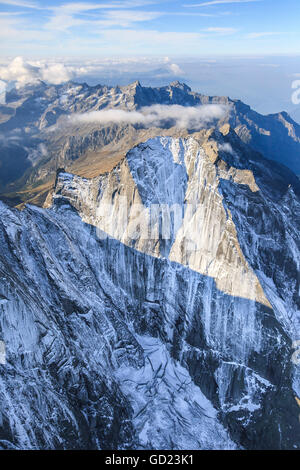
(125, 341)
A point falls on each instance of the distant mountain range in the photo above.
(38, 134)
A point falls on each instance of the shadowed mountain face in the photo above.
(155, 306)
(38, 118)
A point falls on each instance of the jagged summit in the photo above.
(136, 84)
(180, 85)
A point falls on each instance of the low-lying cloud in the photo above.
(22, 71)
(226, 147)
(186, 117)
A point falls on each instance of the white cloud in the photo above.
(150, 38)
(17, 31)
(25, 72)
(126, 18)
(78, 7)
(262, 34)
(56, 72)
(175, 69)
(20, 3)
(63, 22)
(10, 138)
(20, 71)
(102, 14)
(226, 147)
(2, 92)
(221, 30)
(7, 27)
(189, 117)
(220, 2)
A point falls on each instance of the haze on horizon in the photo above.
(247, 49)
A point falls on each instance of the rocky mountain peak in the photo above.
(136, 84)
(180, 86)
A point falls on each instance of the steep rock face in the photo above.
(54, 394)
(177, 181)
(82, 369)
(187, 321)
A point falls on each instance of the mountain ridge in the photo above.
(45, 143)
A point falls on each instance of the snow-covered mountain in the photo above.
(38, 134)
(156, 305)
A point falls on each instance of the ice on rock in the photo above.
(115, 343)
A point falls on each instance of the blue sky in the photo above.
(183, 28)
(247, 49)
